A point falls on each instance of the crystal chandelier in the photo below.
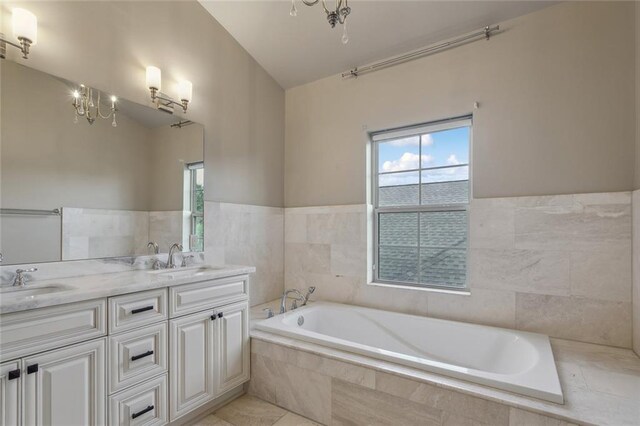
(339, 15)
(83, 104)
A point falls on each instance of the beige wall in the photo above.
(637, 180)
(556, 114)
(108, 45)
(48, 162)
(170, 150)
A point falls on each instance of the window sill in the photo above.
(461, 292)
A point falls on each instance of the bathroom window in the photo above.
(196, 201)
(421, 195)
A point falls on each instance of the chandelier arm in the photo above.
(310, 3)
(99, 114)
(324, 5)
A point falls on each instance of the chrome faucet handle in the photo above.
(310, 291)
(269, 312)
(185, 260)
(294, 304)
(153, 246)
(20, 280)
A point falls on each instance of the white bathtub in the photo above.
(514, 361)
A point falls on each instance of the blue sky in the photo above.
(445, 148)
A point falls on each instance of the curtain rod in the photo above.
(485, 33)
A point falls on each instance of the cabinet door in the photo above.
(193, 354)
(234, 346)
(66, 387)
(10, 393)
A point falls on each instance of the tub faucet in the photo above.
(283, 300)
(170, 263)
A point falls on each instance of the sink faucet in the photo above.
(20, 280)
(153, 246)
(170, 263)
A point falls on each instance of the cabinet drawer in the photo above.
(28, 332)
(137, 355)
(185, 299)
(144, 404)
(137, 309)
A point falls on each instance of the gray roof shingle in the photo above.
(442, 257)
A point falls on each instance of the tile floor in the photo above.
(251, 411)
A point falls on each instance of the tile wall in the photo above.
(559, 265)
(242, 234)
(97, 233)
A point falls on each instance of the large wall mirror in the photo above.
(72, 190)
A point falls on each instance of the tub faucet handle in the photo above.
(310, 291)
(269, 312)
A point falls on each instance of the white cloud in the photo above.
(407, 161)
(410, 141)
(452, 160)
(427, 140)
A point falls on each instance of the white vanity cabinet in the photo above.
(66, 386)
(193, 351)
(209, 351)
(234, 349)
(142, 358)
(10, 391)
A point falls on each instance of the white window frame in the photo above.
(390, 134)
(191, 168)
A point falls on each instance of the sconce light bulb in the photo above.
(185, 90)
(113, 99)
(25, 25)
(76, 94)
(154, 77)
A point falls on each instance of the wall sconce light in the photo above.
(25, 30)
(163, 102)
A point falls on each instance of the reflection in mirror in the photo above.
(73, 191)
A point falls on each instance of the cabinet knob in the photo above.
(220, 314)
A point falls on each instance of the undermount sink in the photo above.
(30, 291)
(185, 272)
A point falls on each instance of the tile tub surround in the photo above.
(248, 235)
(636, 271)
(601, 386)
(557, 265)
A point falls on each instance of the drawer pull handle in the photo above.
(32, 369)
(14, 374)
(146, 308)
(137, 357)
(141, 412)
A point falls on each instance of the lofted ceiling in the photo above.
(301, 49)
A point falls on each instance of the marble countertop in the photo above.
(601, 384)
(95, 286)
